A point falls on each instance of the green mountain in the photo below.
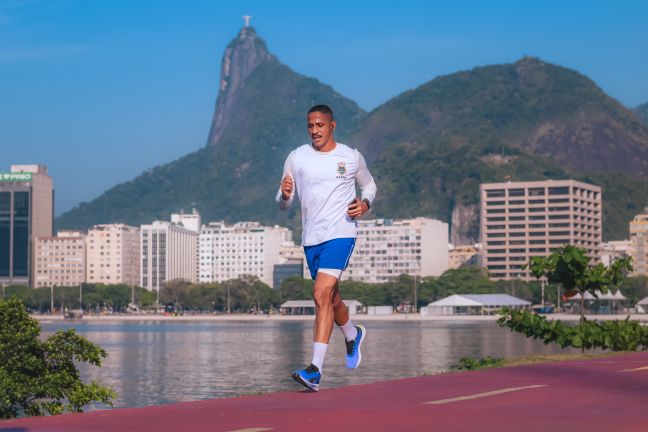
(259, 118)
(642, 112)
(432, 146)
(429, 148)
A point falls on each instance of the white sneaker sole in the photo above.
(302, 381)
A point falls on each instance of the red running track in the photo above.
(603, 394)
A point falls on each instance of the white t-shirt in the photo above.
(325, 182)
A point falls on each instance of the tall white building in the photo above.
(113, 254)
(60, 260)
(387, 248)
(245, 248)
(168, 253)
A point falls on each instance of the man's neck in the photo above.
(329, 146)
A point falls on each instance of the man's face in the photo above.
(320, 128)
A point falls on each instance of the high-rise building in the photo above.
(113, 254)
(387, 248)
(168, 253)
(191, 221)
(245, 248)
(639, 243)
(520, 220)
(60, 260)
(26, 212)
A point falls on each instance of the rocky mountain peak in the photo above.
(242, 56)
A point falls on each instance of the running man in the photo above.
(324, 175)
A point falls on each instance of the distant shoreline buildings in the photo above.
(518, 220)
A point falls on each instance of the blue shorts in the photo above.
(332, 254)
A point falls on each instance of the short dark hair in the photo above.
(324, 109)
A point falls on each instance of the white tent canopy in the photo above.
(608, 296)
(474, 304)
(455, 300)
(643, 301)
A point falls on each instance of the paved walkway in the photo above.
(604, 394)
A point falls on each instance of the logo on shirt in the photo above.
(341, 169)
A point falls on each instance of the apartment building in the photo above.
(113, 254)
(639, 243)
(387, 248)
(168, 252)
(60, 260)
(519, 220)
(614, 250)
(244, 248)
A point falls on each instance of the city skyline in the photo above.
(98, 82)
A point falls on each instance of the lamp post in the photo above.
(415, 296)
(228, 299)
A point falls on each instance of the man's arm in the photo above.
(368, 187)
(286, 191)
(365, 181)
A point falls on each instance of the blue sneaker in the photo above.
(309, 377)
(353, 356)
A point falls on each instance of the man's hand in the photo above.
(357, 208)
(286, 187)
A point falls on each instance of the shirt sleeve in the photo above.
(365, 180)
(288, 170)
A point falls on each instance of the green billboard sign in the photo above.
(15, 177)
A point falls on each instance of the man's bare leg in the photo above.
(340, 311)
(325, 310)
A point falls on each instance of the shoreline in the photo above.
(357, 317)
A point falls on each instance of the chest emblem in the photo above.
(341, 168)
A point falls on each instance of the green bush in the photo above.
(467, 363)
(624, 335)
(41, 377)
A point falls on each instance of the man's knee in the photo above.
(323, 293)
(322, 296)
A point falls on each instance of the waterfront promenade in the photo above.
(601, 394)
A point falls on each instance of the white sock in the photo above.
(349, 330)
(319, 351)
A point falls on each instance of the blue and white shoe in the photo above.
(354, 356)
(309, 377)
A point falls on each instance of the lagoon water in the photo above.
(157, 362)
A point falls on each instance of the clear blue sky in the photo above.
(101, 90)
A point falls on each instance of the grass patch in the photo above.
(489, 362)
(476, 364)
